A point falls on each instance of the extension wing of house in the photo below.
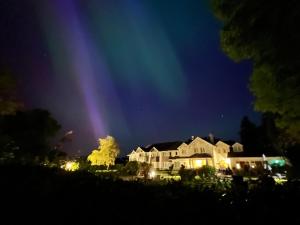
(197, 152)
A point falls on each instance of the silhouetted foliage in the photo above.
(268, 35)
(56, 156)
(122, 160)
(262, 138)
(249, 135)
(37, 191)
(131, 168)
(84, 164)
(144, 169)
(206, 172)
(9, 103)
(186, 174)
(27, 133)
(171, 167)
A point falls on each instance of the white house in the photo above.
(197, 152)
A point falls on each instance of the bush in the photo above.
(186, 175)
(206, 172)
(131, 168)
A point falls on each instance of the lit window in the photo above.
(227, 161)
(198, 163)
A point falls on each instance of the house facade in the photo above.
(197, 152)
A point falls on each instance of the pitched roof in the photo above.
(230, 142)
(163, 146)
(197, 155)
(249, 154)
(209, 140)
(215, 140)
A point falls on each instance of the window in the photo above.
(157, 158)
(224, 151)
(175, 153)
(170, 153)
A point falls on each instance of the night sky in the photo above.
(143, 71)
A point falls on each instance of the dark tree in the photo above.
(264, 138)
(55, 156)
(249, 136)
(121, 160)
(267, 33)
(29, 132)
(131, 168)
(269, 134)
(8, 97)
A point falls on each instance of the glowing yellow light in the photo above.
(152, 174)
(227, 161)
(198, 163)
(280, 181)
(238, 166)
(252, 166)
(71, 166)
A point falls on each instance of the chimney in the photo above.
(211, 138)
(192, 137)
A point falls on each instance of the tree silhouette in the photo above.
(28, 131)
(268, 35)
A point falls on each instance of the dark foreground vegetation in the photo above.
(42, 195)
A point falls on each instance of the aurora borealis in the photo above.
(143, 71)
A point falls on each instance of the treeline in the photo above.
(267, 138)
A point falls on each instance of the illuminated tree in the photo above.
(106, 153)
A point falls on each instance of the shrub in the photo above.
(131, 168)
(206, 172)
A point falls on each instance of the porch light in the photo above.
(152, 174)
